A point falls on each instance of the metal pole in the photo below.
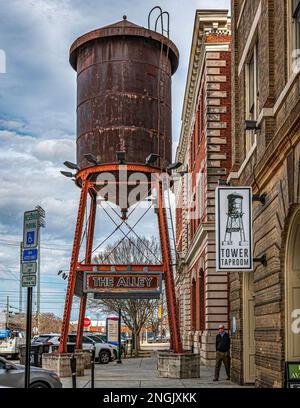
(133, 338)
(28, 336)
(21, 289)
(119, 337)
(38, 301)
(93, 367)
(73, 370)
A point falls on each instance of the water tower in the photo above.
(123, 128)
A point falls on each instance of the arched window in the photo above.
(193, 305)
(202, 299)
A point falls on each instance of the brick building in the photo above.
(205, 153)
(265, 81)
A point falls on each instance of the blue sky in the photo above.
(37, 121)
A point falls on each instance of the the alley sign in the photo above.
(234, 229)
(123, 285)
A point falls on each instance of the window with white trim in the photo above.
(296, 22)
(293, 13)
(201, 194)
(252, 95)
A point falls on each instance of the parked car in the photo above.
(10, 343)
(161, 339)
(13, 375)
(104, 352)
(102, 340)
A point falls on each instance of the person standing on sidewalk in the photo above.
(223, 352)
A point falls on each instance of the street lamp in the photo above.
(70, 165)
(67, 174)
(174, 166)
(92, 159)
(121, 157)
(152, 158)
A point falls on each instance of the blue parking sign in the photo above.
(30, 255)
(30, 238)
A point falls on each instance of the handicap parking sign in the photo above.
(30, 238)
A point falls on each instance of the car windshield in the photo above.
(42, 339)
(98, 339)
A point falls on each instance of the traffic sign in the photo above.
(28, 281)
(30, 230)
(29, 268)
(30, 255)
(86, 322)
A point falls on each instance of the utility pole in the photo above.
(41, 224)
(7, 312)
(38, 291)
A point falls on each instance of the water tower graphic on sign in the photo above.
(235, 220)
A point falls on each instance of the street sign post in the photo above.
(119, 361)
(28, 336)
(234, 229)
(30, 267)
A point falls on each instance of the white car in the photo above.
(99, 339)
(104, 352)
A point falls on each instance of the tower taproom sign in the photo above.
(234, 229)
(123, 285)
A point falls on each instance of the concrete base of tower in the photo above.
(60, 363)
(181, 365)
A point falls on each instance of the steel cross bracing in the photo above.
(88, 187)
(131, 229)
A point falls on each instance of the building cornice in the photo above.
(207, 23)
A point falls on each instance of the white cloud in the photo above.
(38, 115)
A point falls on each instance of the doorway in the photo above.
(292, 290)
(249, 328)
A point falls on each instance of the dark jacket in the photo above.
(223, 343)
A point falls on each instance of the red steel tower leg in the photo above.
(168, 273)
(72, 275)
(88, 258)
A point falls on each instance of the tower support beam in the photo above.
(72, 275)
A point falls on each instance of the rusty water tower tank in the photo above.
(124, 93)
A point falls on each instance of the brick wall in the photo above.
(272, 169)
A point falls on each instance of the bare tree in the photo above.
(135, 312)
(49, 323)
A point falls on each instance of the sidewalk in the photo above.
(142, 373)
